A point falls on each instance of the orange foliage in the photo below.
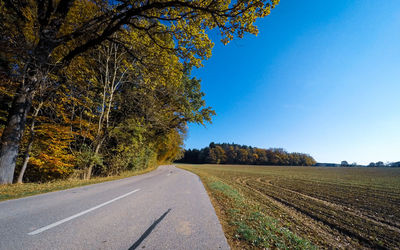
(52, 142)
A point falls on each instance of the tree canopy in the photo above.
(225, 153)
(105, 85)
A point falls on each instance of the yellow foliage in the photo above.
(52, 150)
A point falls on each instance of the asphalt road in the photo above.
(164, 209)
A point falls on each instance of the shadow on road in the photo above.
(148, 231)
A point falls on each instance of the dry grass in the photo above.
(14, 191)
(303, 207)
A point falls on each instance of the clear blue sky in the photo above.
(322, 77)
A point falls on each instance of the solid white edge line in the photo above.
(42, 229)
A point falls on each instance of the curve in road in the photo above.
(164, 209)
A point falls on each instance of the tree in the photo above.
(211, 156)
(30, 143)
(138, 118)
(242, 154)
(231, 154)
(40, 38)
(261, 158)
(395, 164)
(344, 164)
(309, 161)
(220, 153)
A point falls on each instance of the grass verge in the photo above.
(245, 224)
(14, 191)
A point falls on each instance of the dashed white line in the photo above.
(42, 229)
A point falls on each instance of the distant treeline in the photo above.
(225, 153)
(354, 164)
(381, 164)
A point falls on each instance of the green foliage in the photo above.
(129, 149)
(87, 156)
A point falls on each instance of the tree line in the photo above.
(371, 164)
(106, 121)
(226, 153)
(99, 87)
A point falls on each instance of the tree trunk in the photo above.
(30, 143)
(12, 134)
(34, 74)
(88, 174)
(26, 160)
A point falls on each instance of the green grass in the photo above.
(304, 207)
(14, 191)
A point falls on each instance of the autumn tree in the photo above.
(151, 121)
(222, 153)
(40, 38)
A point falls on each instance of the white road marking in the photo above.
(38, 231)
(168, 174)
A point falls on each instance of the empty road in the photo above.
(165, 209)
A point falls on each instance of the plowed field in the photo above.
(305, 207)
